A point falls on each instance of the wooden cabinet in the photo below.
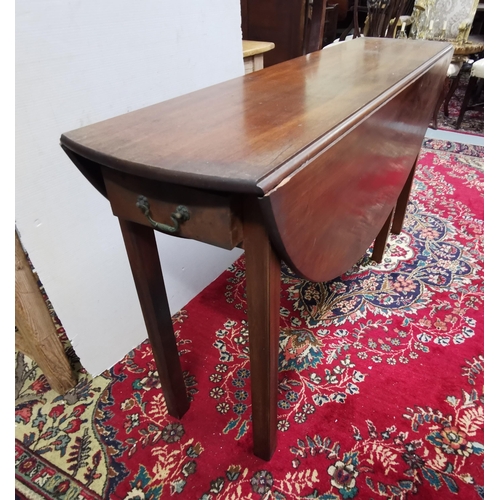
(279, 21)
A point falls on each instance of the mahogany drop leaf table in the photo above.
(308, 161)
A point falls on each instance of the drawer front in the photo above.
(213, 218)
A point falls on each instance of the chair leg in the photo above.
(346, 32)
(451, 92)
(475, 102)
(465, 104)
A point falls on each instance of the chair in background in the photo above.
(320, 25)
(380, 18)
(451, 82)
(443, 19)
(385, 16)
(447, 21)
(476, 82)
(314, 25)
(335, 13)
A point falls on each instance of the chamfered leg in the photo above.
(402, 203)
(263, 298)
(142, 251)
(381, 240)
(465, 103)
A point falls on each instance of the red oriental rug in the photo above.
(380, 387)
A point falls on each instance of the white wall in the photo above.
(79, 62)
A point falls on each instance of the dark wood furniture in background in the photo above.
(315, 21)
(299, 27)
(290, 162)
(296, 27)
(472, 48)
(279, 21)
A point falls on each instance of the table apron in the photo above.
(214, 218)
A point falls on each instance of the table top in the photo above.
(247, 134)
(252, 47)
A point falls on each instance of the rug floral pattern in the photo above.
(381, 391)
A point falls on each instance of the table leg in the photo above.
(263, 298)
(402, 203)
(442, 96)
(142, 252)
(381, 240)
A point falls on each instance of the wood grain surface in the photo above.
(324, 216)
(36, 334)
(302, 165)
(247, 134)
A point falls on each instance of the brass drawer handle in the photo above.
(181, 214)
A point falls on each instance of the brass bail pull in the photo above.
(180, 215)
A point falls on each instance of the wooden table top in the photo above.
(247, 134)
(252, 47)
